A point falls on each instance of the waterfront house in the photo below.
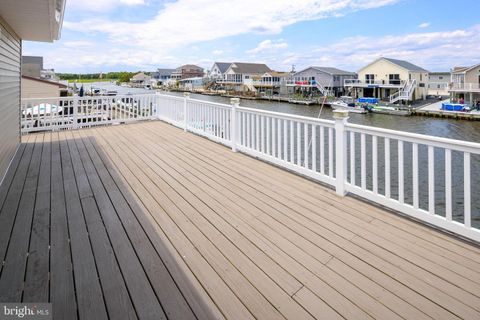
(465, 84)
(218, 70)
(240, 75)
(438, 83)
(326, 80)
(162, 76)
(141, 79)
(392, 80)
(272, 82)
(41, 88)
(187, 71)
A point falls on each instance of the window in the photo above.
(369, 78)
(394, 79)
(440, 78)
(420, 77)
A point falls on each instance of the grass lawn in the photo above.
(91, 80)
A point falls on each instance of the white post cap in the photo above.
(340, 114)
(235, 100)
(186, 94)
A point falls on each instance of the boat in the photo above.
(347, 103)
(373, 105)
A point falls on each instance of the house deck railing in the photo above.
(425, 177)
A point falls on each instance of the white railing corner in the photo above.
(186, 96)
(75, 112)
(340, 117)
(235, 102)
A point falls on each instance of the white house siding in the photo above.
(10, 57)
(325, 79)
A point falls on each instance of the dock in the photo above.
(147, 221)
(434, 110)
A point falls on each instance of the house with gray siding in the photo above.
(39, 20)
(327, 80)
(438, 83)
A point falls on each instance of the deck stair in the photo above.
(405, 93)
(324, 91)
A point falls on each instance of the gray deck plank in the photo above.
(88, 290)
(62, 287)
(170, 296)
(10, 205)
(38, 266)
(117, 298)
(143, 296)
(12, 274)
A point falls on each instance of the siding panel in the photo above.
(10, 49)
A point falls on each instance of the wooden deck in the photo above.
(146, 221)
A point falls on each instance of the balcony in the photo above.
(261, 83)
(229, 81)
(464, 87)
(146, 220)
(397, 84)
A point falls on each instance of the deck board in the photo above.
(145, 221)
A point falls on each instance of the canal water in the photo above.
(440, 127)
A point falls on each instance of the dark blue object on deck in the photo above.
(367, 100)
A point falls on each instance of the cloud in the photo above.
(431, 50)
(100, 5)
(179, 25)
(268, 45)
(217, 52)
(78, 44)
(424, 25)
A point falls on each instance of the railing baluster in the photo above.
(415, 174)
(262, 133)
(299, 144)
(467, 190)
(305, 145)
(291, 142)
(330, 152)
(274, 137)
(248, 144)
(268, 135)
(285, 155)
(400, 172)
(387, 168)
(374, 165)
(352, 158)
(314, 148)
(363, 162)
(257, 135)
(431, 180)
(322, 150)
(448, 184)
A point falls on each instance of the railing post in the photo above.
(340, 117)
(75, 112)
(186, 96)
(157, 105)
(233, 123)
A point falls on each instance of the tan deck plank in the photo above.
(451, 260)
(207, 231)
(221, 294)
(163, 153)
(312, 188)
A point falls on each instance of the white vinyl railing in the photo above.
(425, 177)
(464, 86)
(63, 113)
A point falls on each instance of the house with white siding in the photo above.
(219, 70)
(39, 20)
(240, 75)
(325, 80)
(392, 80)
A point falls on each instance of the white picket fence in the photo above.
(425, 177)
